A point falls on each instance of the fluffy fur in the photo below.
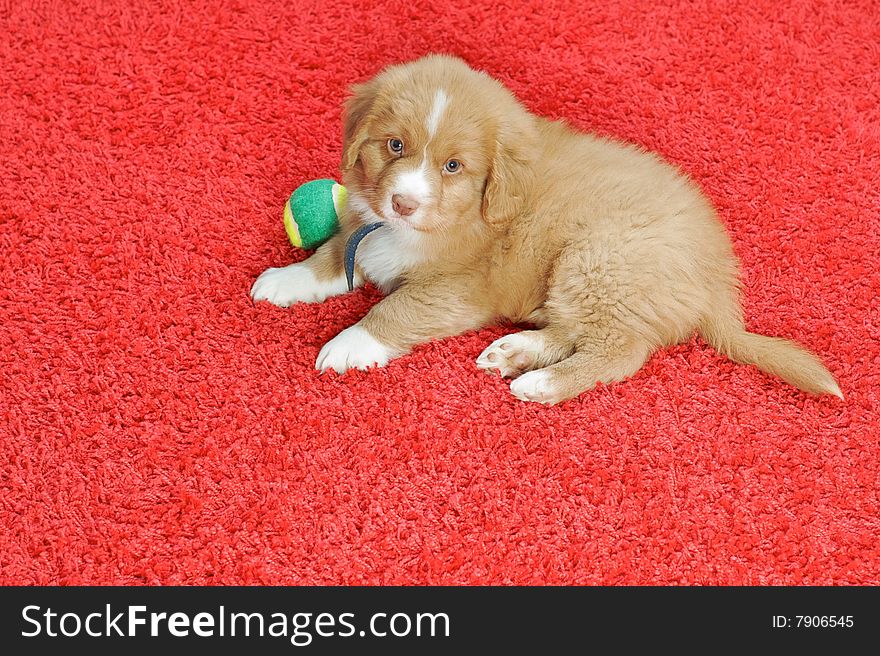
(492, 212)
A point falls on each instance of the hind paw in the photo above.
(511, 355)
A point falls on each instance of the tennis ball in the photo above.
(311, 214)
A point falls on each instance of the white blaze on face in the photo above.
(437, 109)
(415, 183)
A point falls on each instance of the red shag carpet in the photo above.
(157, 427)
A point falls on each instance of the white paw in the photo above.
(534, 386)
(512, 354)
(294, 284)
(353, 348)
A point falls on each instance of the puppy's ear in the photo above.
(508, 181)
(358, 112)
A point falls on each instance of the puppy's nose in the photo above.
(404, 205)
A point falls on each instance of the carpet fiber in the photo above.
(157, 427)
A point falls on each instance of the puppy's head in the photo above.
(433, 145)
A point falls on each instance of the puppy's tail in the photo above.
(775, 355)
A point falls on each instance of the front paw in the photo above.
(293, 284)
(353, 348)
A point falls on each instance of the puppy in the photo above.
(494, 213)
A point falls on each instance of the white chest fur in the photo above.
(384, 255)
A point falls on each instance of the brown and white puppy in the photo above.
(494, 213)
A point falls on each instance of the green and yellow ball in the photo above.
(311, 214)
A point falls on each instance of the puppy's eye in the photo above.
(395, 146)
(452, 166)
